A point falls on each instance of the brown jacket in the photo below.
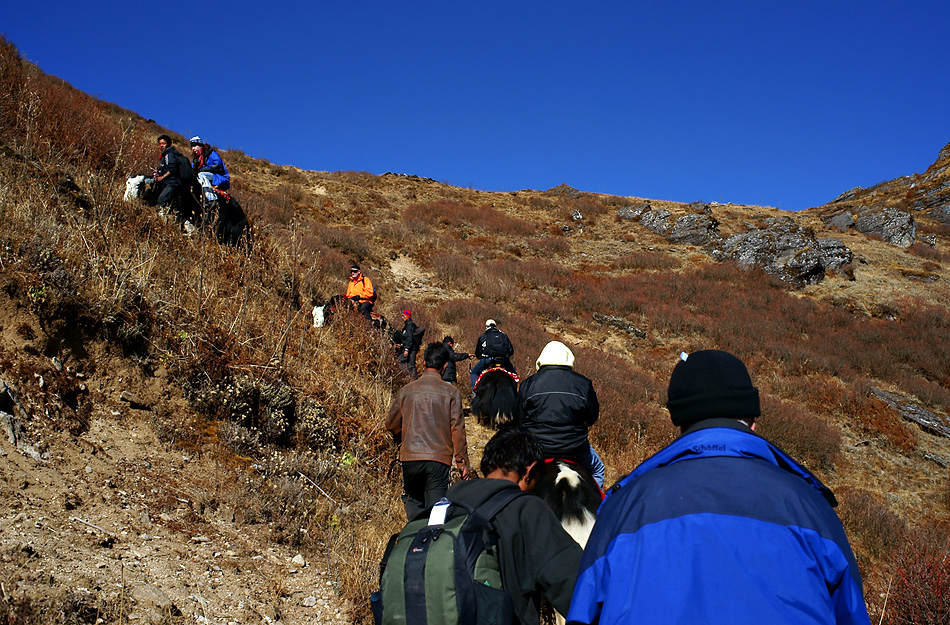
(426, 417)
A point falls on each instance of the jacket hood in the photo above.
(555, 353)
(476, 492)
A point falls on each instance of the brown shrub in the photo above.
(927, 252)
(871, 525)
(646, 261)
(920, 591)
(453, 269)
(556, 245)
(444, 213)
(804, 436)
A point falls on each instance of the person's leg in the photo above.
(413, 372)
(414, 485)
(437, 482)
(364, 309)
(509, 366)
(477, 370)
(597, 468)
(168, 193)
(204, 178)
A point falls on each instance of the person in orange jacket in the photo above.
(360, 291)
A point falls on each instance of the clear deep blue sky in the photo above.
(782, 104)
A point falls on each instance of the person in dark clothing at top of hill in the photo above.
(558, 405)
(411, 342)
(493, 347)
(210, 170)
(167, 174)
(721, 526)
(450, 374)
(538, 558)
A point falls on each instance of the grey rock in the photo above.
(657, 220)
(912, 411)
(782, 248)
(841, 222)
(834, 253)
(935, 458)
(847, 195)
(894, 226)
(694, 229)
(576, 215)
(619, 323)
(151, 596)
(133, 400)
(632, 213)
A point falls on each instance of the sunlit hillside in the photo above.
(179, 432)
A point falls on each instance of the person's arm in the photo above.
(456, 356)
(553, 556)
(594, 413)
(367, 293)
(394, 418)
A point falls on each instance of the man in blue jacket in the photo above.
(721, 526)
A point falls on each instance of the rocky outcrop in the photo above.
(619, 323)
(694, 229)
(783, 249)
(894, 226)
(632, 213)
(657, 220)
(913, 411)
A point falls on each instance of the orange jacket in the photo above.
(360, 286)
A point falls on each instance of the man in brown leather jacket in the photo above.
(426, 420)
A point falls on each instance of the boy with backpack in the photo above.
(515, 550)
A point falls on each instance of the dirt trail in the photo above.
(116, 515)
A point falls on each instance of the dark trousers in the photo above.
(424, 482)
(364, 309)
(410, 363)
(171, 189)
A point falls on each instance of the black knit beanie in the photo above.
(709, 384)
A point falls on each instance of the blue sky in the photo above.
(780, 104)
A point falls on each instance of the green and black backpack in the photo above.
(444, 569)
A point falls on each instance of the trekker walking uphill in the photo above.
(558, 405)
(426, 420)
(410, 344)
(451, 374)
(493, 347)
(487, 553)
(721, 526)
(360, 291)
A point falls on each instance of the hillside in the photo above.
(178, 432)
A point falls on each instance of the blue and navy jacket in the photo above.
(219, 173)
(723, 527)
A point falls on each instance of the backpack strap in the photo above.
(489, 509)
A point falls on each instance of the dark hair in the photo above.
(167, 139)
(436, 356)
(511, 449)
(448, 339)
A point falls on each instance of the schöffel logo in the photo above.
(706, 447)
